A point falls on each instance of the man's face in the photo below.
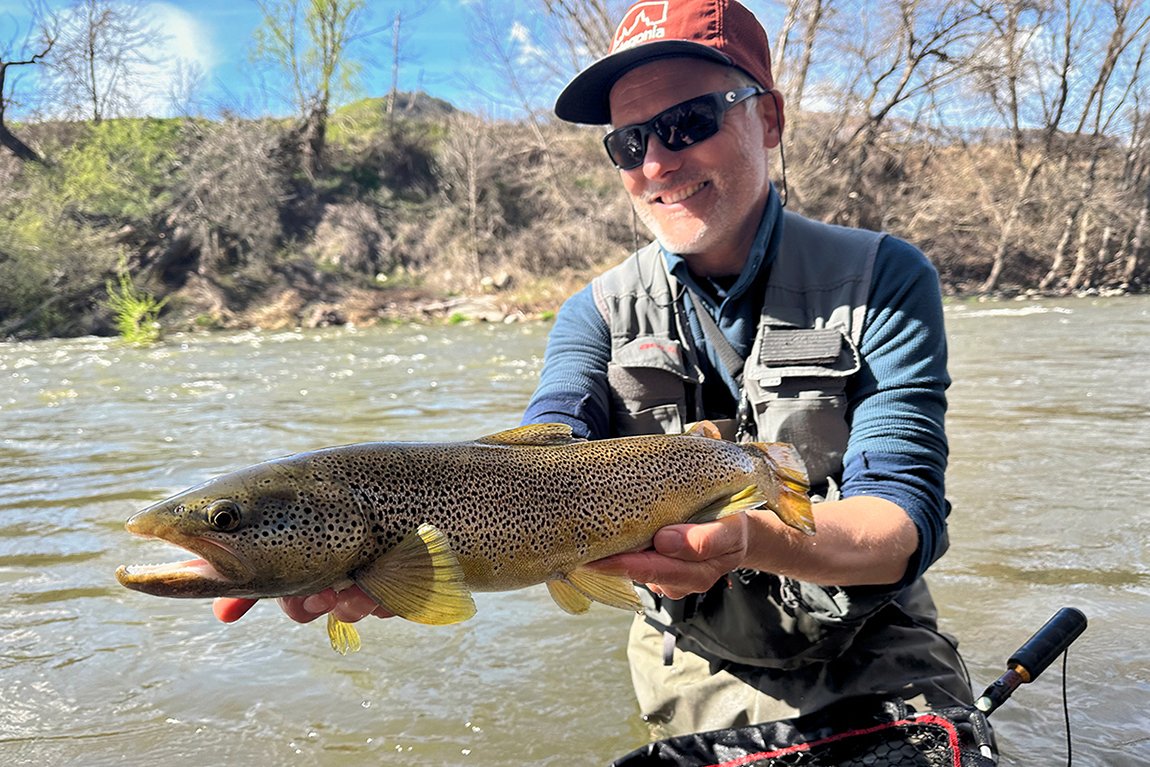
(705, 201)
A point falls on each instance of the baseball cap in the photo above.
(723, 31)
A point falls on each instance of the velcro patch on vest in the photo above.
(800, 347)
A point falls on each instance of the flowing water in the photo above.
(1050, 432)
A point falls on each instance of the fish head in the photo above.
(274, 529)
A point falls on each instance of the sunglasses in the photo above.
(677, 128)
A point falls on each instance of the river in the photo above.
(1050, 436)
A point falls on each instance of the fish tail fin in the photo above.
(793, 506)
(794, 509)
(343, 636)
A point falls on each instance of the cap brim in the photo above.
(585, 99)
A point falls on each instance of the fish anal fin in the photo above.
(611, 590)
(420, 580)
(538, 435)
(568, 597)
(343, 636)
(703, 429)
(744, 500)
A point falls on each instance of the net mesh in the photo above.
(891, 735)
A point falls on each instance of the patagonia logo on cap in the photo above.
(643, 23)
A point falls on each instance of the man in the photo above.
(780, 329)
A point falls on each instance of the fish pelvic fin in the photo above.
(568, 597)
(343, 636)
(611, 590)
(420, 580)
(532, 435)
(703, 429)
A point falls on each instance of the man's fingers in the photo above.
(231, 610)
(699, 543)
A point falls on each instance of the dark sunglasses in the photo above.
(677, 128)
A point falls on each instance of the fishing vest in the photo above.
(795, 379)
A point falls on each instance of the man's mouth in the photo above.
(679, 195)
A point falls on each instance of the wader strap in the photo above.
(733, 362)
(730, 358)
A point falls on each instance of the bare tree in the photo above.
(808, 16)
(1106, 101)
(912, 49)
(8, 139)
(311, 41)
(96, 68)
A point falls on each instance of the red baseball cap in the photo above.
(718, 30)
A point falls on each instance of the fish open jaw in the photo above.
(199, 577)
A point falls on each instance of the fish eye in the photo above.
(224, 515)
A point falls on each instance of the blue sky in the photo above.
(436, 52)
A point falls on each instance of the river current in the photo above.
(1050, 444)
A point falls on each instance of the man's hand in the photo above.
(684, 559)
(349, 605)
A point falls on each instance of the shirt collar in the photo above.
(762, 254)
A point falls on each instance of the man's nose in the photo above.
(659, 160)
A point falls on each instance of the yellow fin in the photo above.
(744, 500)
(343, 636)
(538, 434)
(420, 580)
(703, 429)
(612, 590)
(788, 464)
(568, 597)
(794, 508)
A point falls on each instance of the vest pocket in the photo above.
(796, 384)
(649, 381)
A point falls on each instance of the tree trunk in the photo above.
(17, 147)
(1140, 244)
(1080, 277)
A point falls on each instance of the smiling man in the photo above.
(780, 329)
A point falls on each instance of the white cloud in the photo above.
(185, 47)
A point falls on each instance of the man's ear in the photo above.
(770, 106)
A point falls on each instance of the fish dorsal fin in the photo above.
(703, 429)
(746, 499)
(536, 434)
(343, 636)
(612, 590)
(420, 579)
(568, 597)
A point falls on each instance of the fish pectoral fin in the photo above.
(420, 580)
(343, 636)
(612, 590)
(568, 597)
(746, 499)
(538, 435)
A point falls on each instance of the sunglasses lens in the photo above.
(687, 123)
(627, 146)
(677, 128)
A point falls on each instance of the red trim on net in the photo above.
(946, 724)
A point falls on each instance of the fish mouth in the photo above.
(216, 572)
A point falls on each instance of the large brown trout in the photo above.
(419, 526)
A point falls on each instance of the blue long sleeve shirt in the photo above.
(897, 447)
